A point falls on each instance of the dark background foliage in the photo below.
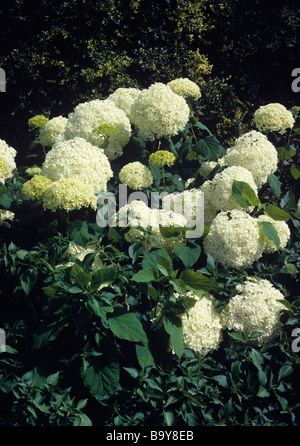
(57, 54)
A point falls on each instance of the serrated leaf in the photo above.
(197, 282)
(270, 232)
(103, 275)
(210, 148)
(173, 327)
(276, 213)
(101, 376)
(187, 254)
(144, 275)
(164, 265)
(244, 195)
(274, 184)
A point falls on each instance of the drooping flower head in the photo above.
(273, 117)
(86, 118)
(158, 111)
(69, 194)
(256, 308)
(136, 175)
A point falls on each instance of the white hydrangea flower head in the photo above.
(256, 308)
(273, 117)
(6, 215)
(222, 198)
(158, 111)
(34, 189)
(208, 166)
(69, 194)
(209, 209)
(234, 239)
(137, 213)
(189, 203)
(123, 98)
(7, 161)
(202, 328)
(78, 158)
(185, 87)
(87, 117)
(54, 128)
(254, 152)
(136, 175)
(283, 232)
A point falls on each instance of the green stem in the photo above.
(163, 177)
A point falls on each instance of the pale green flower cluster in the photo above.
(53, 128)
(162, 158)
(254, 152)
(158, 111)
(31, 171)
(201, 325)
(256, 308)
(234, 239)
(7, 161)
(136, 175)
(37, 122)
(283, 232)
(273, 117)
(185, 87)
(123, 98)
(88, 116)
(69, 194)
(79, 159)
(34, 189)
(137, 214)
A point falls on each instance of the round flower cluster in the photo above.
(79, 159)
(208, 166)
(52, 129)
(209, 209)
(189, 203)
(254, 152)
(69, 194)
(256, 308)
(221, 187)
(162, 158)
(37, 122)
(185, 87)
(7, 161)
(123, 98)
(31, 171)
(283, 232)
(138, 214)
(136, 175)
(234, 239)
(273, 117)
(158, 111)
(34, 189)
(202, 329)
(88, 116)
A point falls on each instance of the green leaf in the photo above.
(170, 232)
(79, 277)
(144, 355)
(197, 282)
(103, 275)
(144, 275)
(295, 172)
(276, 213)
(164, 265)
(244, 195)
(210, 148)
(101, 376)
(125, 325)
(269, 231)
(274, 184)
(187, 254)
(173, 327)
(28, 280)
(79, 232)
(179, 285)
